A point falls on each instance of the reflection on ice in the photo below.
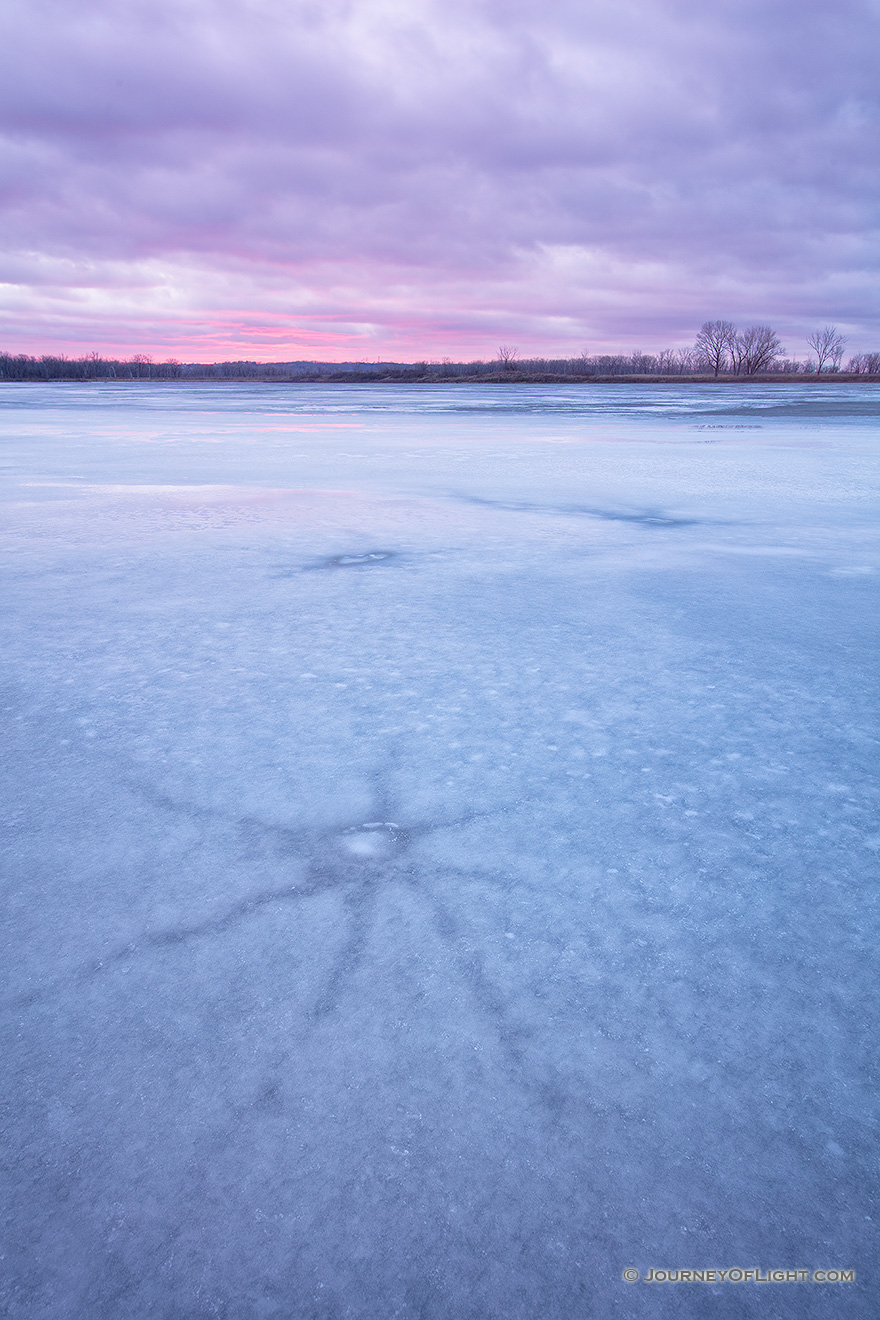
(439, 864)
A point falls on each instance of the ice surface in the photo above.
(441, 849)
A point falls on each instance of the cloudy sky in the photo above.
(353, 179)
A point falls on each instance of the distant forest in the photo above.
(720, 352)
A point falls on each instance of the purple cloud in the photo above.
(271, 178)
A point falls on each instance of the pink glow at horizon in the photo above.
(363, 179)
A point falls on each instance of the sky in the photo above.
(373, 179)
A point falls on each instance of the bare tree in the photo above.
(141, 360)
(666, 362)
(828, 345)
(507, 356)
(864, 364)
(756, 349)
(714, 344)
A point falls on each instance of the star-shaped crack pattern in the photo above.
(353, 858)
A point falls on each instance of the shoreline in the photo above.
(494, 378)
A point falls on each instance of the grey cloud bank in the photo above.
(408, 177)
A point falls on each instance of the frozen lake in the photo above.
(440, 850)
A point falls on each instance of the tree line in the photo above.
(720, 350)
(724, 350)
